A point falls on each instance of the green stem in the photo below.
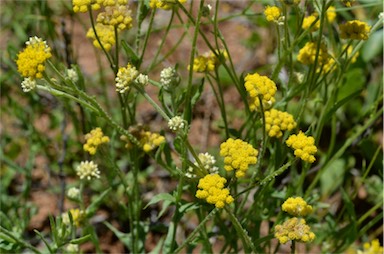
(248, 244)
(196, 230)
(18, 240)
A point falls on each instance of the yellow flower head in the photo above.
(257, 85)
(307, 54)
(355, 30)
(87, 170)
(272, 13)
(277, 121)
(82, 5)
(125, 76)
(308, 21)
(150, 141)
(31, 61)
(331, 14)
(211, 188)
(238, 155)
(294, 229)
(114, 2)
(328, 66)
(106, 35)
(349, 52)
(117, 16)
(372, 248)
(93, 140)
(304, 146)
(208, 62)
(296, 207)
(164, 4)
(77, 217)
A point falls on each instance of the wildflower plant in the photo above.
(175, 138)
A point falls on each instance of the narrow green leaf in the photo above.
(160, 197)
(133, 57)
(95, 204)
(81, 239)
(125, 238)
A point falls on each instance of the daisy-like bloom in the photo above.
(277, 121)
(355, 30)
(176, 123)
(94, 139)
(304, 146)
(77, 217)
(125, 76)
(28, 84)
(164, 4)
(31, 61)
(150, 141)
(106, 35)
(211, 188)
(88, 170)
(168, 77)
(307, 54)
(331, 14)
(308, 21)
(73, 193)
(82, 5)
(272, 13)
(117, 16)
(238, 155)
(294, 229)
(257, 85)
(296, 207)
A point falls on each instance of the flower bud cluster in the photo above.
(304, 146)
(257, 85)
(211, 188)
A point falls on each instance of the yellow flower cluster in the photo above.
(296, 207)
(304, 146)
(125, 76)
(307, 54)
(150, 141)
(294, 229)
(349, 52)
(30, 62)
(88, 169)
(355, 30)
(208, 61)
(238, 155)
(257, 85)
(77, 217)
(308, 21)
(372, 248)
(277, 121)
(329, 66)
(213, 191)
(272, 13)
(348, 3)
(82, 5)
(93, 140)
(164, 4)
(117, 16)
(114, 2)
(331, 14)
(106, 35)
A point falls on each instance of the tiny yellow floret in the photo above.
(277, 121)
(304, 146)
(77, 217)
(355, 30)
(106, 34)
(307, 54)
(310, 21)
(211, 188)
(124, 77)
(118, 16)
(294, 229)
(372, 248)
(296, 207)
(238, 155)
(331, 14)
(150, 141)
(164, 4)
(31, 61)
(272, 13)
(209, 61)
(257, 85)
(93, 139)
(82, 5)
